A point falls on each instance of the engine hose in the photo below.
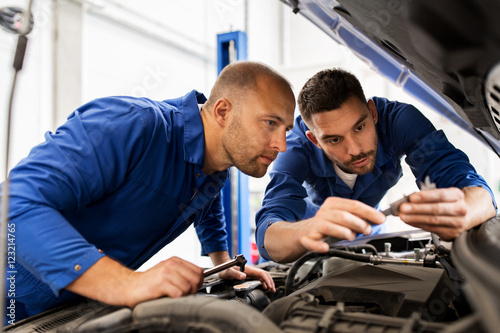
(440, 248)
(318, 262)
(349, 255)
(295, 268)
(310, 255)
(356, 248)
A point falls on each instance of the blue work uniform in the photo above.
(122, 177)
(303, 177)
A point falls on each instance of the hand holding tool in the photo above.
(394, 207)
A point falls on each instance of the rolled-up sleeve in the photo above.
(446, 166)
(429, 152)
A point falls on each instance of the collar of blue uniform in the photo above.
(194, 137)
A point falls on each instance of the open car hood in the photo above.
(446, 53)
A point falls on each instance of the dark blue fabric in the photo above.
(303, 177)
(123, 175)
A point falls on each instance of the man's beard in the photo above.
(238, 152)
(348, 168)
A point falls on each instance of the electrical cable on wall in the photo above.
(20, 22)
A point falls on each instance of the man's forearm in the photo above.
(479, 205)
(282, 241)
(110, 282)
(219, 257)
(104, 281)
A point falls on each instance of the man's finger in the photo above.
(437, 195)
(314, 245)
(264, 277)
(268, 281)
(427, 221)
(356, 208)
(189, 272)
(437, 208)
(446, 233)
(341, 229)
(233, 273)
(172, 291)
(175, 283)
(347, 220)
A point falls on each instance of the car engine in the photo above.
(400, 282)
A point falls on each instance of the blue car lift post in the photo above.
(232, 46)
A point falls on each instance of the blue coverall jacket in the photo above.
(122, 177)
(303, 177)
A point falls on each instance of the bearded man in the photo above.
(344, 154)
(125, 176)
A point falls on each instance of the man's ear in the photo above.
(373, 110)
(312, 137)
(221, 111)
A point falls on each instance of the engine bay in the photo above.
(400, 282)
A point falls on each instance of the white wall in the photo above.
(157, 57)
(163, 49)
(32, 114)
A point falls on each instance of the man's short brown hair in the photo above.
(241, 76)
(328, 90)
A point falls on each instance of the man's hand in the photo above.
(339, 218)
(110, 282)
(447, 212)
(234, 273)
(173, 277)
(250, 272)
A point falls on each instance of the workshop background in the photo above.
(80, 50)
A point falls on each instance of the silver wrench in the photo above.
(238, 260)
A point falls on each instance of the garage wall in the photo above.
(33, 99)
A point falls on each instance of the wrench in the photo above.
(238, 260)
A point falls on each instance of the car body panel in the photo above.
(422, 47)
